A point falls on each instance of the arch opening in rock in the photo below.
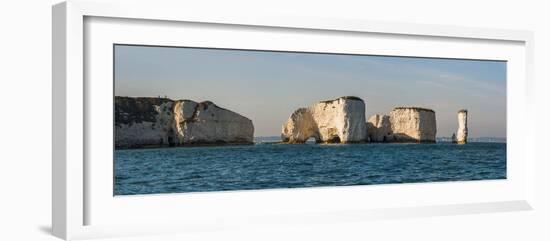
(171, 141)
(311, 140)
(334, 139)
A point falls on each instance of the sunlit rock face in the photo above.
(210, 124)
(462, 132)
(412, 124)
(300, 127)
(152, 122)
(403, 124)
(341, 120)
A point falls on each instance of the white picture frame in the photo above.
(82, 207)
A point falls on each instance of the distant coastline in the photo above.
(260, 139)
(476, 139)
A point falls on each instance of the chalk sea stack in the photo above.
(462, 132)
(403, 124)
(157, 122)
(413, 124)
(341, 120)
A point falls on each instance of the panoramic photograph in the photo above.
(203, 119)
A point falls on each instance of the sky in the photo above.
(268, 86)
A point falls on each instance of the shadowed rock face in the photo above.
(152, 122)
(403, 124)
(379, 128)
(341, 120)
(137, 110)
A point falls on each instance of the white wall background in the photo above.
(25, 119)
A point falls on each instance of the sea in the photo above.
(269, 165)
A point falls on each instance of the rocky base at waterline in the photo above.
(342, 120)
(159, 122)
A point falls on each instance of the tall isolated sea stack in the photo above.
(341, 120)
(462, 132)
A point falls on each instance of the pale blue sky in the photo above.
(268, 86)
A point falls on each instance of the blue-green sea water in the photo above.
(269, 165)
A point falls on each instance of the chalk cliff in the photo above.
(403, 124)
(413, 124)
(462, 132)
(341, 120)
(143, 122)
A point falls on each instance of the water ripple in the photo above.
(199, 169)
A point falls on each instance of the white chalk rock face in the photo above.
(184, 111)
(379, 128)
(209, 123)
(300, 127)
(143, 122)
(341, 120)
(412, 124)
(462, 132)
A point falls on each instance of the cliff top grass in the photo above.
(343, 97)
(413, 108)
(139, 109)
(136, 109)
(156, 100)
